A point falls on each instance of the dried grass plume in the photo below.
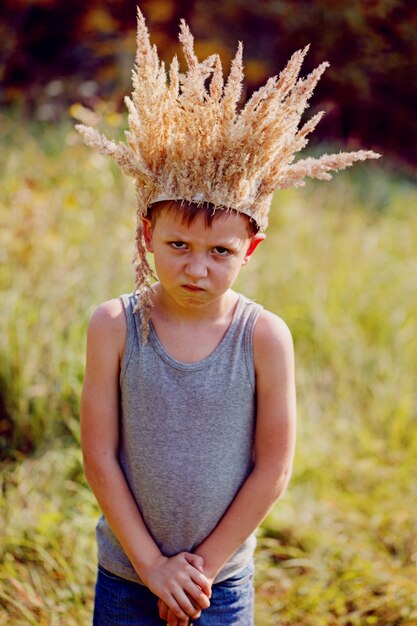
(187, 139)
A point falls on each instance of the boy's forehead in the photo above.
(225, 223)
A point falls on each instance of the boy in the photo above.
(188, 405)
(193, 314)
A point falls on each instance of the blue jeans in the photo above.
(120, 602)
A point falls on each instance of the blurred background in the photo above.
(339, 265)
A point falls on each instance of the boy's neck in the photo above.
(166, 309)
(191, 335)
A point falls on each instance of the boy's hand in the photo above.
(168, 616)
(181, 585)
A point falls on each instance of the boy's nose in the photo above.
(196, 268)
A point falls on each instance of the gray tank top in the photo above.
(186, 438)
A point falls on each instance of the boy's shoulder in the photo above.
(108, 323)
(108, 313)
(271, 326)
(272, 340)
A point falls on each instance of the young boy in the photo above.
(191, 471)
(188, 405)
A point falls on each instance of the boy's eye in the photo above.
(177, 245)
(221, 251)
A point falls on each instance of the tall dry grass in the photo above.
(339, 266)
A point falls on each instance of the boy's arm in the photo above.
(175, 579)
(273, 446)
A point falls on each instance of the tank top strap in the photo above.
(240, 336)
(246, 314)
(129, 301)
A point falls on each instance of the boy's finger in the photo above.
(201, 581)
(197, 596)
(163, 610)
(174, 621)
(186, 605)
(169, 617)
(177, 608)
(195, 560)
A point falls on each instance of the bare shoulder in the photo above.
(108, 313)
(108, 324)
(272, 343)
(271, 332)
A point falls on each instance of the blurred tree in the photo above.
(53, 53)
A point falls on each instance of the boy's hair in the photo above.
(189, 211)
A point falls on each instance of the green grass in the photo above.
(339, 265)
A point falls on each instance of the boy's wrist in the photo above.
(211, 568)
(146, 564)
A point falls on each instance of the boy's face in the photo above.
(196, 264)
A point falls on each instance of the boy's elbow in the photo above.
(282, 482)
(97, 468)
(276, 479)
(90, 468)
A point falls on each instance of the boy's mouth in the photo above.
(193, 288)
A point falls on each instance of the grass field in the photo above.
(339, 265)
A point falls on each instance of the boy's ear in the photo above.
(253, 244)
(147, 233)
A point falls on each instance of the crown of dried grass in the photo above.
(188, 141)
